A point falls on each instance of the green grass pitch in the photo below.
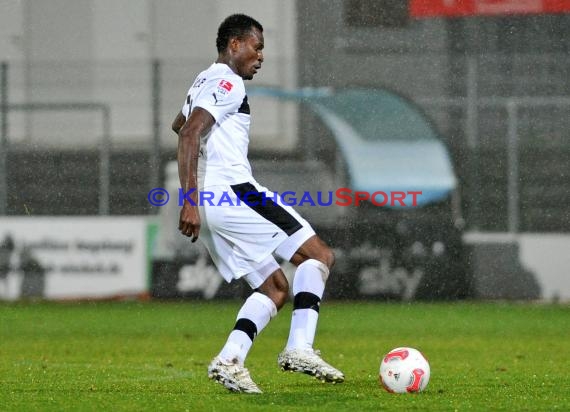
(135, 356)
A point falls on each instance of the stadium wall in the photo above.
(66, 258)
(103, 51)
(109, 58)
(73, 257)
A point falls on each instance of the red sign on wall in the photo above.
(461, 8)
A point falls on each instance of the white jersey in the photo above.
(223, 151)
(240, 237)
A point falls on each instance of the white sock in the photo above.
(308, 289)
(253, 316)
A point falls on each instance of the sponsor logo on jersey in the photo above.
(224, 87)
(224, 84)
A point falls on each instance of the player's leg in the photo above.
(314, 260)
(259, 308)
(270, 294)
(241, 241)
(262, 223)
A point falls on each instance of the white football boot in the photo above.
(232, 375)
(310, 362)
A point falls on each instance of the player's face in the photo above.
(249, 55)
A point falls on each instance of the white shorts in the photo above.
(243, 225)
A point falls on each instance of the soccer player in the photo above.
(246, 224)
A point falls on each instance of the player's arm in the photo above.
(178, 122)
(198, 124)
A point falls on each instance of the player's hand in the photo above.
(189, 224)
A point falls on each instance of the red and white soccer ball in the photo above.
(404, 370)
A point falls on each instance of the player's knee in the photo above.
(281, 297)
(282, 294)
(328, 257)
(277, 289)
(324, 254)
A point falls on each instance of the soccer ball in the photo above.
(404, 370)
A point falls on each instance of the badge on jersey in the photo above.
(224, 87)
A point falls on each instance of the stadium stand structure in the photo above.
(66, 183)
(62, 182)
(373, 140)
(44, 181)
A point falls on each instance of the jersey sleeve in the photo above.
(220, 96)
(186, 106)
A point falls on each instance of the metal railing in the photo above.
(132, 91)
(511, 105)
(104, 145)
(3, 137)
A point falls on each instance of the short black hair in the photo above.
(236, 25)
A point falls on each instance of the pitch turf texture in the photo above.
(131, 356)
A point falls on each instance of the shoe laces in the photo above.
(243, 375)
(316, 354)
(242, 372)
